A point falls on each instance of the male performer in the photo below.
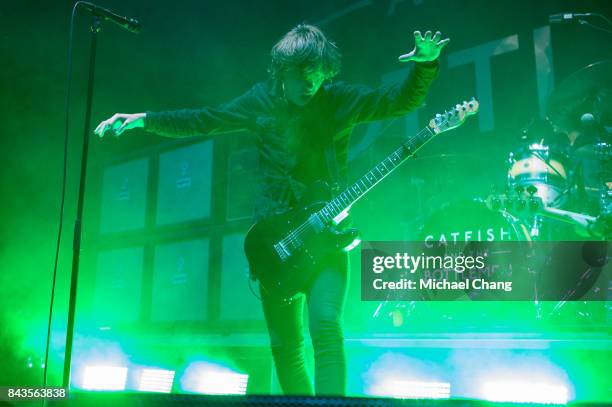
(296, 119)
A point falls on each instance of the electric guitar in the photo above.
(283, 250)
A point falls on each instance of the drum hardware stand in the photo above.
(534, 233)
(535, 272)
(536, 224)
(377, 310)
(536, 303)
(557, 308)
(546, 161)
(532, 219)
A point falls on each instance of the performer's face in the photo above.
(300, 86)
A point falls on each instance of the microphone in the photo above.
(127, 23)
(565, 17)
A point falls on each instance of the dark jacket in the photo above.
(291, 140)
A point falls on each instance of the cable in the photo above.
(584, 22)
(63, 194)
(606, 19)
(252, 290)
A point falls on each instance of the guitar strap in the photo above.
(332, 166)
(338, 184)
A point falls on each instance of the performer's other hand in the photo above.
(120, 122)
(426, 48)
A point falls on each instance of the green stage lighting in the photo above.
(156, 380)
(212, 378)
(105, 378)
(406, 389)
(223, 383)
(521, 392)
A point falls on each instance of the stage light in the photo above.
(156, 380)
(223, 383)
(521, 392)
(397, 375)
(212, 378)
(407, 389)
(104, 378)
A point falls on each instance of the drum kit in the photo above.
(558, 182)
(571, 172)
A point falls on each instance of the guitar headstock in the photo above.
(455, 117)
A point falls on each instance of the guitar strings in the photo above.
(294, 236)
(297, 234)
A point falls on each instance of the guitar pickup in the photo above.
(282, 251)
(316, 222)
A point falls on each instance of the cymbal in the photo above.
(598, 151)
(580, 93)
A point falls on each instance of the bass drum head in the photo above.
(471, 220)
(465, 222)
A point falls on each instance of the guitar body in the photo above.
(286, 276)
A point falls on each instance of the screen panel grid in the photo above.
(117, 295)
(184, 185)
(180, 281)
(124, 194)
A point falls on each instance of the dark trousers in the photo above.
(325, 297)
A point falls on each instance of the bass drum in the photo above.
(472, 220)
(541, 171)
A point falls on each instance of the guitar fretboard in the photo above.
(343, 201)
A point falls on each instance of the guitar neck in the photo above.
(344, 200)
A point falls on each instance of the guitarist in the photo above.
(301, 123)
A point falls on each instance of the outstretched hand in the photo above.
(120, 122)
(426, 48)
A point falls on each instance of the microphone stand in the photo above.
(76, 243)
